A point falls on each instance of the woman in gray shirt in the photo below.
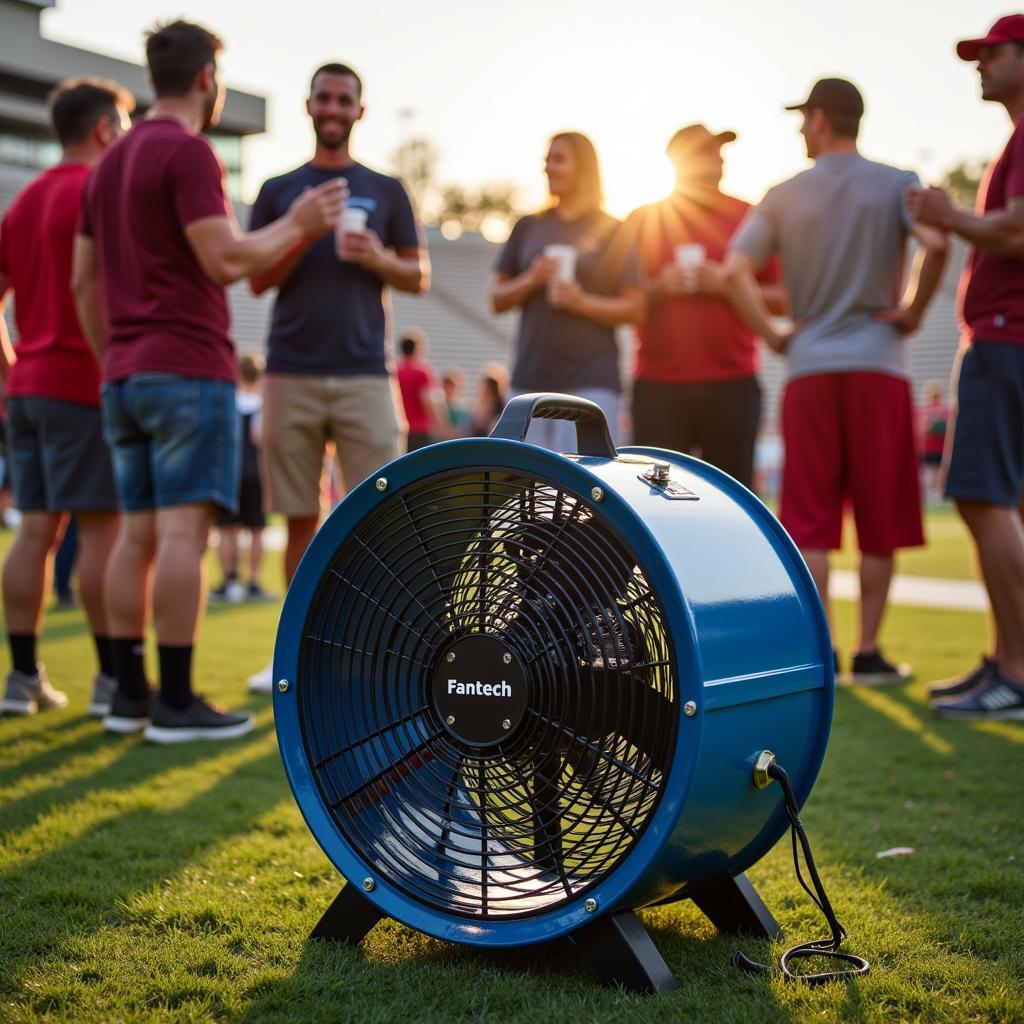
(566, 338)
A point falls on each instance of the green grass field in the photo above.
(160, 884)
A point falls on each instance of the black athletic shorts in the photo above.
(987, 460)
(58, 459)
(714, 420)
(250, 506)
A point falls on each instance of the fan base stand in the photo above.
(348, 919)
(615, 946)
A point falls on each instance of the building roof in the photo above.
(30, 66)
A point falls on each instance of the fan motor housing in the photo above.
(405, 742)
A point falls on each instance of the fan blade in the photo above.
(547, 828)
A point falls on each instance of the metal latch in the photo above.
(658, 477)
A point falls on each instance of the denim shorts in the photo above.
(987, 460)
(176, 441)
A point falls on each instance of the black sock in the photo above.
(126, 653)
(176, 675)
(104, 654)
(23, 652)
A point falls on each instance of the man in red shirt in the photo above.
(424, 408)
(696, 387)
(986, 470)
(58, 458)
(156, 245)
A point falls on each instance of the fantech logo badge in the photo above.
(479, 689)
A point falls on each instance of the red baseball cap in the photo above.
(1006, 30)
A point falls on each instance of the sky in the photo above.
(489, 82)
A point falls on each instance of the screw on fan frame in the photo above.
(592, 434)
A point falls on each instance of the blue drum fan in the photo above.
(521, 694)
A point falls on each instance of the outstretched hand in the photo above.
(930, 206)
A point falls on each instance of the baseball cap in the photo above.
(1006, 30)
(835, 96)
(696, 136)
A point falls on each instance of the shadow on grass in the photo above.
(398, 975)
(87, 882)
(136, 762)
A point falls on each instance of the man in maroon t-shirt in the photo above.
(986, 469)
(156, 245)
(59, 461)
(696, 387)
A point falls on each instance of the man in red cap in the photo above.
(696, 387)
(986, 468)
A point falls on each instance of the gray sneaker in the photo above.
(103, 689)
(25, 694)
(201, 720)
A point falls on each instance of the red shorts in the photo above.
(850, 437)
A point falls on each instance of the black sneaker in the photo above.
(873, 670)
(201, 720)
(959, 685)
(127, 714)
(995, 697)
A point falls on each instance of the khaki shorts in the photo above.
(301, 414)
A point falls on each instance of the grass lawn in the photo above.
(145, 883)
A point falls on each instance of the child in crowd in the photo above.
(250, 514)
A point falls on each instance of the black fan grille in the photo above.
(536, 819)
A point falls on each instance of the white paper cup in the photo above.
(353, 218)
(565, 257)
(691, 255)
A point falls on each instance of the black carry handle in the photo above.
(592, 436)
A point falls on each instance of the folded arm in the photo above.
(997, 231)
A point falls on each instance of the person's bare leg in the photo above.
(97, 534)
(998, 534)
(817, 562)
(28, 570)
(300, 532)
(227, 551)
(255, 555)
(126, 582)
(875, 579)
(182, 533)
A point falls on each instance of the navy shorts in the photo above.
(987, 461)
(57, 457)
(175, 440)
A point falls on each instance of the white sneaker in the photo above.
(235, 592)
(262, 681)
(25, 695)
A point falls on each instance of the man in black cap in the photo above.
(696, 388)
(841, 229)
(986, 468)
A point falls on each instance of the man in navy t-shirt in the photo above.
(327, 366)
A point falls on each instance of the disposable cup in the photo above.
(353, 218)
(565, 257)
(691, 255)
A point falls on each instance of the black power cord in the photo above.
(819, 947)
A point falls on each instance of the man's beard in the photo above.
(334, 142)
(210, 112)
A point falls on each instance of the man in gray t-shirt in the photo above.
(841, 230)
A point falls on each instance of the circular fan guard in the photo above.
(531, 821)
